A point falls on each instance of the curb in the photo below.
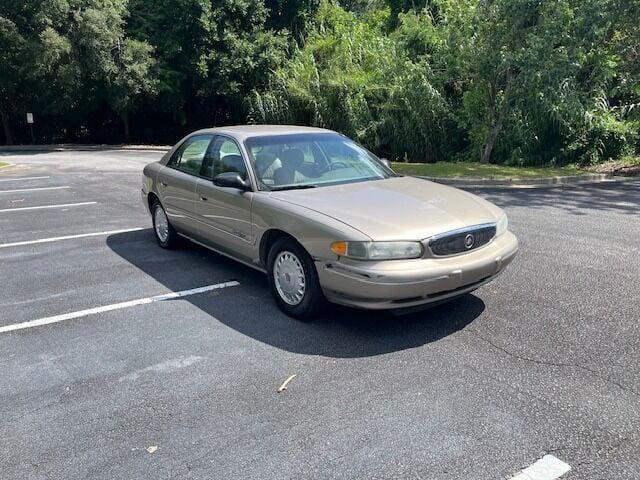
(79, 147)
(528, 182)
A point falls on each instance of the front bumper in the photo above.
(408, 283)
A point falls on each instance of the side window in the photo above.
(226, 157)
(191, 154)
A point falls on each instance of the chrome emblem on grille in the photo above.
(469, 240)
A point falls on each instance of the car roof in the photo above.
(242, 132)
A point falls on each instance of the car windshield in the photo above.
(295, 161)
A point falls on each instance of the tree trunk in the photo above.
(6, 126)
(498, 112)
(490, 142)
(125, 121)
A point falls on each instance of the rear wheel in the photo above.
(165, 235)
(294, 280)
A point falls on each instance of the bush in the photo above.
(352, 77)
(510, 81)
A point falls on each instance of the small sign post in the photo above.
(30, 122)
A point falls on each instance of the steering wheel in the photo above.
(338, 164)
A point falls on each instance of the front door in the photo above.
(225, 213)
(177, 183)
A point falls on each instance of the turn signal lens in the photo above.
(339, 248)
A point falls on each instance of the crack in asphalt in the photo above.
(552, 364)
(606, 450)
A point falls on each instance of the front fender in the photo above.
(313, 230)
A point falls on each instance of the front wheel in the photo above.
(165, 235)
(294, 280)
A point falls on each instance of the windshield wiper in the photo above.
(292, 187)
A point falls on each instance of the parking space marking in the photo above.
(69, 237)
(547, 468)
(22, 190)
(116, 306)
(43, 207)
(22, 178)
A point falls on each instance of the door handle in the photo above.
(164, 184)
(204, 199)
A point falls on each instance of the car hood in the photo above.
(397, 208)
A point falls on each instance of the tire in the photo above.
(293, 259)
(166, 238)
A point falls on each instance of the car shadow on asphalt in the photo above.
(249, 309)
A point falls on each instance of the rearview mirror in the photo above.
(230, 180)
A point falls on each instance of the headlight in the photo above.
(502, 225)
(377, 250)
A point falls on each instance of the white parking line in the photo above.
(42, 207)
(22, 178)
(34, 189)
(68, 237)
(547, 468)
(115, 306)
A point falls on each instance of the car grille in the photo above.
(461, 241)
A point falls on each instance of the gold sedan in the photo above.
(324, 218)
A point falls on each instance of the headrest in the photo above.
(263, 160)
(233, 162)
(264, 157)
(292, 158)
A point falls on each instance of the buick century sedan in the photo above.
(324, 218)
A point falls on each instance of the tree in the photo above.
(352, 77)
(122, 67)
(532, 77)
(11, 54)
(291, 15)
(239, 53)
(212, 53)
(513, 81)
(487, 39)
(16, 60)
(131, 77)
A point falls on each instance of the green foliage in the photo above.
(15, 45)
(352, 77)
(510, 81)
(211, 53)
(516, 82)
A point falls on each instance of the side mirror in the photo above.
(230, 180)
(386, 162)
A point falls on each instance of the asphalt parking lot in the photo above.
(544, 360)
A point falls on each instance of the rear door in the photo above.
(225, 213)
(177, 182)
